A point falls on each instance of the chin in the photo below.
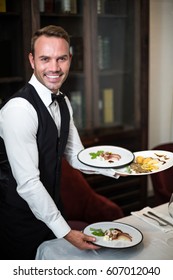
(53, 88)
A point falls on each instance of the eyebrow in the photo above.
(59, 57)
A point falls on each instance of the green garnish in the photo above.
(97, 232)
(95, 155)
(128, 169)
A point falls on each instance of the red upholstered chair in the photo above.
(81, 203)
(163, 181)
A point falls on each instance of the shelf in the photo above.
(9, 15)
(59, 15)
(112, 72)
(111, 16)
(7, 80)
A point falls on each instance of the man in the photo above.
(31, 147)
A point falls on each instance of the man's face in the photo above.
(51, 61)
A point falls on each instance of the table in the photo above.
(156, 245)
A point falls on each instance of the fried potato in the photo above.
(139, 159)
(147, 160)
(149, 167)
(144, 164)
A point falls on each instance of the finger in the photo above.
(89, 241)
(89, 238)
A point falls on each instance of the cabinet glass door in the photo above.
(116, 64)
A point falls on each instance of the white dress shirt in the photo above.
(18, 128)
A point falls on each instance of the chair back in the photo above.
(81, 202)
(163, 181)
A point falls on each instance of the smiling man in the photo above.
(31, 153)
(50, 58)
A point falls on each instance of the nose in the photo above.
(55, 66)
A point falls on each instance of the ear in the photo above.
(70, 58)
(31, 60)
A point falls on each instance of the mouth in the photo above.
(53, 77)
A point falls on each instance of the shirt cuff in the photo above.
(106, 172)
(60, 227)
(109, 173)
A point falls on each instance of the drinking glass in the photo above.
(170, 211)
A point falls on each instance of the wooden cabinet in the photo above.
(15, 35)
(11, 49)
(108, 80)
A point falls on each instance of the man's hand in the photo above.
(81, 240)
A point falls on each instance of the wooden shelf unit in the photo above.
(108, 81)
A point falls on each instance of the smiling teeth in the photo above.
(53, 77)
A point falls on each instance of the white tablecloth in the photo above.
(156, 245)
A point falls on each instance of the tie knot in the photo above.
(57, 97)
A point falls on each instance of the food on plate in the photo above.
(147, 164)
(144, 164)
(111, 234)
(108, 156)
(114, 234)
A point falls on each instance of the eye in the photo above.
(44, 59)
(63, 58)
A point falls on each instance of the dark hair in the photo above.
(49, 31)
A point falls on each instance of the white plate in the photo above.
(165, 163)
(85, 157)
(136, 235)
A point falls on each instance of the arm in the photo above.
(18, 128)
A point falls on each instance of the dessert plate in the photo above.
(136, 235)
(105, 156)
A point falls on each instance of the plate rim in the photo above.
(106, 167)
(121, 223)
(148, 173)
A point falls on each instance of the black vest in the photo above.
(49, 163)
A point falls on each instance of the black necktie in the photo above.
(63, 110)
(57, 97)
(65, 118)
(64, 131)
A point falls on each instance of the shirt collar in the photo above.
(43, 92)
